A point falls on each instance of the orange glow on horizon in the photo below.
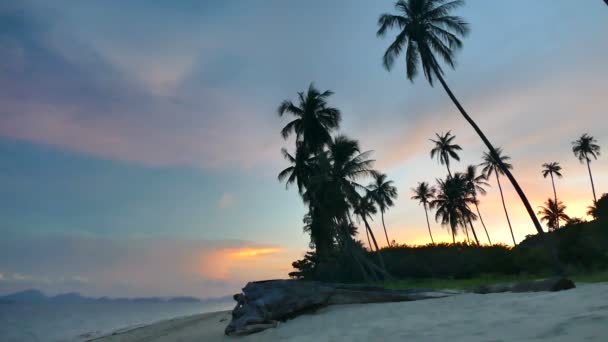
(252, 252)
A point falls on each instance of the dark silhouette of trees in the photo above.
(424, 194)
(383, 192)
(553, 212)
(495, 163)
(583, 148)
(552, 169)
(476, 184)
(451, 203)
(427, 34)
(444, 149)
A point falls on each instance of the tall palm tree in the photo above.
(476, 184)
(551, 169)
(452, 203)
(444, 149)
(383, 192)
(427, 32)
(492, 162)
(424, 194)
(552, 213)
(584, 147)
(314, 119)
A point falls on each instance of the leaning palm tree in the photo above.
(299, 171)
(552, 213)
(383, 192)
(424, 194)
(584, 147)
(476, 184)
(492, 164)
(444, 149)
(451, 203)
(551, 169)
(314, 119)
(427, 33)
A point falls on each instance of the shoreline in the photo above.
(577, 314)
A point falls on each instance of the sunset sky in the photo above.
(139, 140)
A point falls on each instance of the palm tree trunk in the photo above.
(428, 224)
(554, 194)
(369, 243)
(388, 243)
(453, 230)
(490, 147)
(592, 186)
(474, 233)
(483, 224)
(371, 233)
(505, 207)
(466, 230)
(447, 165)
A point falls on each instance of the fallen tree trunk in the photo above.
(263, 304)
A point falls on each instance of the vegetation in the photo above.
(584, 147)
(494, 163)
(330, 170)
(429, 33)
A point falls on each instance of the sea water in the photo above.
(80, 322)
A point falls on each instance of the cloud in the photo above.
(226, 201)
(138, 266)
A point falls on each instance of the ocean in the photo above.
(48, 322)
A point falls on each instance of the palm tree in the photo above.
(428, 32)
(364, 208)
(550, 169)
(492, 164)
(584, 147)
(300, 170)
(383, 192)
(314, 119)
(552, 213)
(452, 203)
(424, 194)
(476, 184)
(444, 149)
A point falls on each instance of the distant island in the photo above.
(34, 296)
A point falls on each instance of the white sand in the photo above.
(580, 314)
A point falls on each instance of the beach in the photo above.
(579, 314)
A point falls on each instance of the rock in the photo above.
(263, 304)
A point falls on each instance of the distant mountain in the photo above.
(37, 296)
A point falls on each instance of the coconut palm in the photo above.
(584, 147)
(299, 171)
(451, 203)
(314, 119)
(476, 184)
(444, 149)
(553, 212)
(424, 194)
(552, 169)
(383, 192)
(429, 33)
(495, 162)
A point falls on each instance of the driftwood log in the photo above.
(263, 304)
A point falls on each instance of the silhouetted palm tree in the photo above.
(444, 149)
(383, 193)
(476, 184)
(451, 203)
(491, 164)
(427, 30)
(599, 210)
(314, 119)
(424, 194)
(552, 213)
(300, 170)
(550, 169)
(584, 147)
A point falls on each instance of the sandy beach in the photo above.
(580, 314)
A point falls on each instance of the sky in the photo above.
(140, 145)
